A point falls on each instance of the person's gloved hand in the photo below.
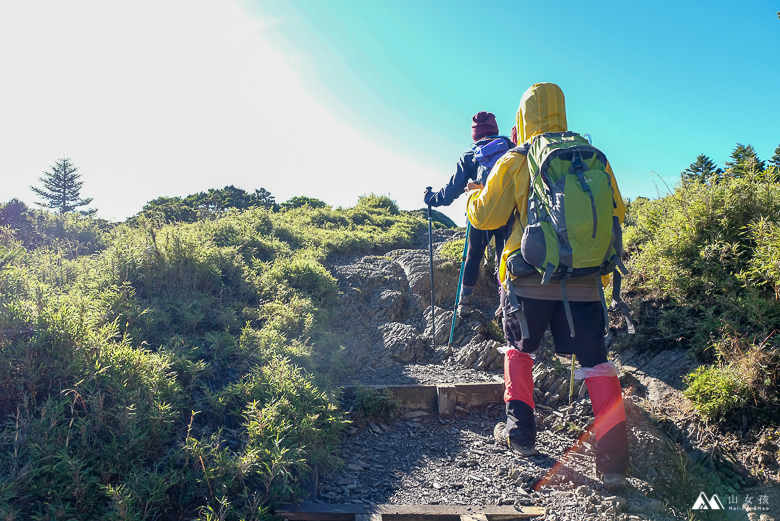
(429, 195)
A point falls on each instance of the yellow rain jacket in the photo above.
(542, 109)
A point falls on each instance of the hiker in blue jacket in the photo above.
(468, 173)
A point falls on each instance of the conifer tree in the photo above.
(265, 199)
(744, 160)
(773, 167)
(703, 169)
(775, 161)
(61, 188)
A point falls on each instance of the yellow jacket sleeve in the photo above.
(492, 206)
(506, 190)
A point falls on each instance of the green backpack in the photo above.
(572, 230)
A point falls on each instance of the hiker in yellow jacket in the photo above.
(506, 193)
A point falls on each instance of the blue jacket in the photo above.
(466, 170)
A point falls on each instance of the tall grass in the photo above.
(169, 371)
(705, 258)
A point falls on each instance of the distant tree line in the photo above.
(744, 160)
(203, 204)
(217, 201)
(61, 192)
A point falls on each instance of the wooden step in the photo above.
(430, 397)
(310, 511)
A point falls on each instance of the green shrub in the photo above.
(88, 413)
(453, 250)
(377, 202)
(156, 370)
(292, 318)
(703, 249)
(305, 275)
(716, 391)
(756, 371)
(691, 243)
(705, 260)
(369, 404)
(298, 201)
(764, 268)
(438, 219)
(72, 234)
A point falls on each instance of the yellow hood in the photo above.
(542, 109)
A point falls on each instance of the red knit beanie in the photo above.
(483, 124)
(513, 135)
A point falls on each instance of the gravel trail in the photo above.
(420, 458)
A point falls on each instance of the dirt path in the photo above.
(422, 459)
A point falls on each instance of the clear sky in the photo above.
(334, 99)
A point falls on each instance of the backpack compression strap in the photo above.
(565, 298)
(617, 279)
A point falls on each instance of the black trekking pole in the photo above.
(430, 250)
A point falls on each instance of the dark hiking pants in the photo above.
(612, 456)
(478, 242)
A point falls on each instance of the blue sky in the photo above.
(335, 99)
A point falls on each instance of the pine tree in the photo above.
(775, 161)
(61, 188)
(744, 160)
(265, 199)
(702, 170)
(773, 167)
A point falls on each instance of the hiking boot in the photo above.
(501, 437)
(614, 482)
(465, 303)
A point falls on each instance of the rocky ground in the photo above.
(420, 458)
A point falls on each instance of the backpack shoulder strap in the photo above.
(521, 149)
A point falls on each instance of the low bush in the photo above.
(704, 258)
(716, 391)
(745, 382)
(698, 247)
(453, 250)
(377, 202)
(371, 405)
(71, 234)
(168, 371)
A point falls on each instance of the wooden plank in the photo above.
(368, 517)
(348, 512)
(474, 517)
(416, 396)
(446, 397)
(478, 394)
(425, 397)
(421, 397)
